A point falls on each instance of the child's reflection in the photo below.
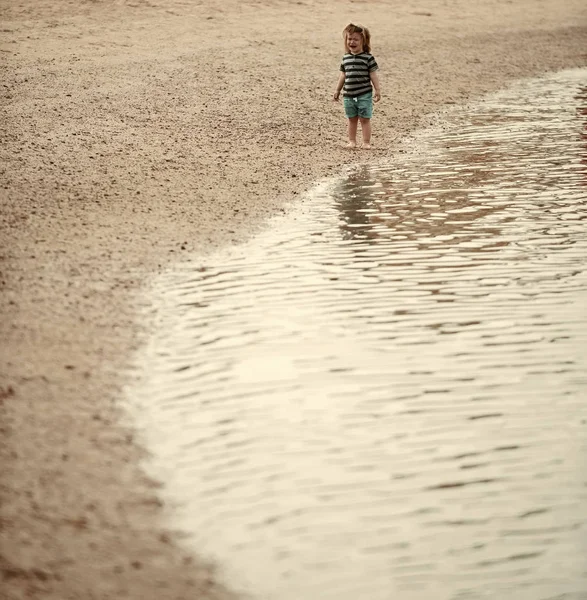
(375, 207)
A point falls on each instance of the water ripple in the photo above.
(384, 396)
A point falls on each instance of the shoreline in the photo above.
(349, 391)
(124, 149)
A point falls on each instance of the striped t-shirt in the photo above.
(356, 69)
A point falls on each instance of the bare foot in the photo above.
(366, 146)
(352, 145)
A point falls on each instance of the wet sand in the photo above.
(133, 133)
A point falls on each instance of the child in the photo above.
(358, 79)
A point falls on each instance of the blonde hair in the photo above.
(364, 33)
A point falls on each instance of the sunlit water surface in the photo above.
(384, 395)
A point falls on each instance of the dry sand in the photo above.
(135, 131)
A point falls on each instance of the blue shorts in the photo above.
(360, 106)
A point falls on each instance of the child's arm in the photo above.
(339, 85)
(375, 81)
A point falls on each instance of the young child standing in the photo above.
(359, 83)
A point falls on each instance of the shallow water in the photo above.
(385, 395)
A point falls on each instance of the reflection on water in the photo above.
(385, 395)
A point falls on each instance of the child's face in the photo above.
(355, 42)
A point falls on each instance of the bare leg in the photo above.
(353, 122)
(366, 130)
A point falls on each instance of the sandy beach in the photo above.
(134, 132)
